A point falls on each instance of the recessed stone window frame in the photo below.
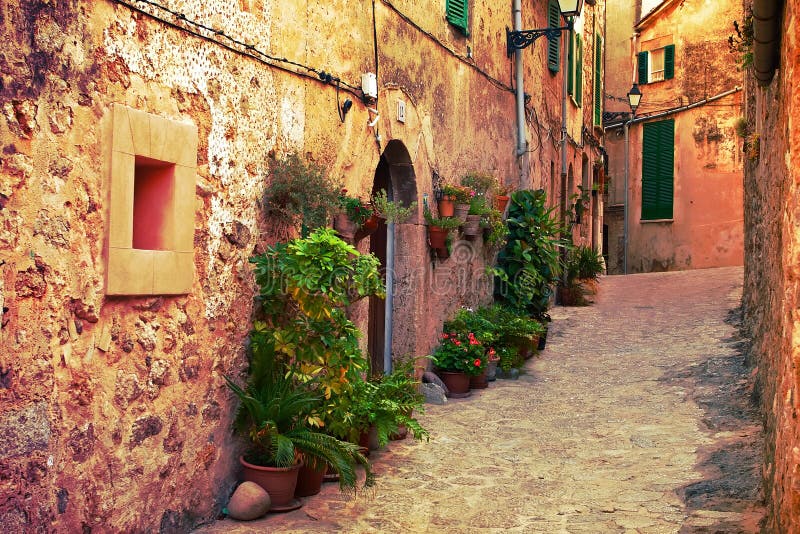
(147, 149)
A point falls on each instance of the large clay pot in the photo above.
(309, 481)
(479, 381)
(279, 482)
(446, 207)
(437, 237)
(457, 383)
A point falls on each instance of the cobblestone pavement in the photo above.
(635, 418)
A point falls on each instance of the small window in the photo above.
(656, 65)
(553, 45)
(457, 12)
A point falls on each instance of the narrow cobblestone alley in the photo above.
(636, 418)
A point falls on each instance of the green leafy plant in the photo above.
(304, 286)
(478, 205)
(392, 211)
(741, 43)
(529, 264)
(496, 237)
(274, 414)
(583, 263)
(300, 192)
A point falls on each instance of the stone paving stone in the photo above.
(615, 427)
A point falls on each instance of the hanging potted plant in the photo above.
(353, 216)
(392, 211)
(501, 198)
(477, 209)
(461, 197)
(446, 202)
(439, 229)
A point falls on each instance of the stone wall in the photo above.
(772, 278)
(114, 415)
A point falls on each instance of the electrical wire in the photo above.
(494, 81)
(207, 33)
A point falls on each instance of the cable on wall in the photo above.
(181, 22)
(494, 81)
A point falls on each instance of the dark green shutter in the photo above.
(642, 66)
(554, 46)
(669, 62)
(458, 14)
(578, 70)
(571, 63)
(658, 162)
(598, 80)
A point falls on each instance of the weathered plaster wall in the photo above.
(707, 225)
(772, 280)
(113, 411)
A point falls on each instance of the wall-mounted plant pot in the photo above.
(437, 237)
(369, 227)
(442, 253)
(461, 211)
(472, 226)
(446, 207)
(500, 202)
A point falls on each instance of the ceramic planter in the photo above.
(346, 227)
(437, 237)
(457, 383)
(279, 482)
(461, 212)
(472, 226)
(500, 202)
(479, 381)
(446, 207)
(309, 481)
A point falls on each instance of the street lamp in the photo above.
(519, 39)
(634, 99)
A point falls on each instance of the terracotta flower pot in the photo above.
(500, 202)
(279, 482)
(479, 381)
(457, 383)
(446, 207)
(437, 237)
(309, 481)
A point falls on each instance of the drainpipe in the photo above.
(565, 53)
(522, 143)
(766, 36)
(625, 205)
(387, 316)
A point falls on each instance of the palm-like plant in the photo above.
(275, 415)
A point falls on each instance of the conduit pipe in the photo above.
(522, 143)
(766, 37)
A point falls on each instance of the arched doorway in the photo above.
(395, 175)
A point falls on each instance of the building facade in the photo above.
(118, 323)
(684, 164)
(772, 245)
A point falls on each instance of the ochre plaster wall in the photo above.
(772, 277)
(707, 225)
(114, 415)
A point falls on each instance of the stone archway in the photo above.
(391, 331)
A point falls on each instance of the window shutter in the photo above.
(598, 80)
(658, 160)
(458, 15)
(642, 60)
(553, 46)
(571, 64)
(578, 70)
(669, 62)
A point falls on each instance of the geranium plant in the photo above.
(460, 352)
(459, 193)
(356, 210)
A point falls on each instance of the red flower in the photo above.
(445, 336)
(492, 351)
(477, 362)
(457, 342)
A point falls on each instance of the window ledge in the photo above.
(645, 221)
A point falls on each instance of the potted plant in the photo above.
(458, 357)
(446, 202)
(478, 208)
(439, 228)
(501, 198)
(275, 415)
(483, 183)
(299, 195)
(354, 215)
(392, 211)
(461, 197)
(581, 268)
(495, 231)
